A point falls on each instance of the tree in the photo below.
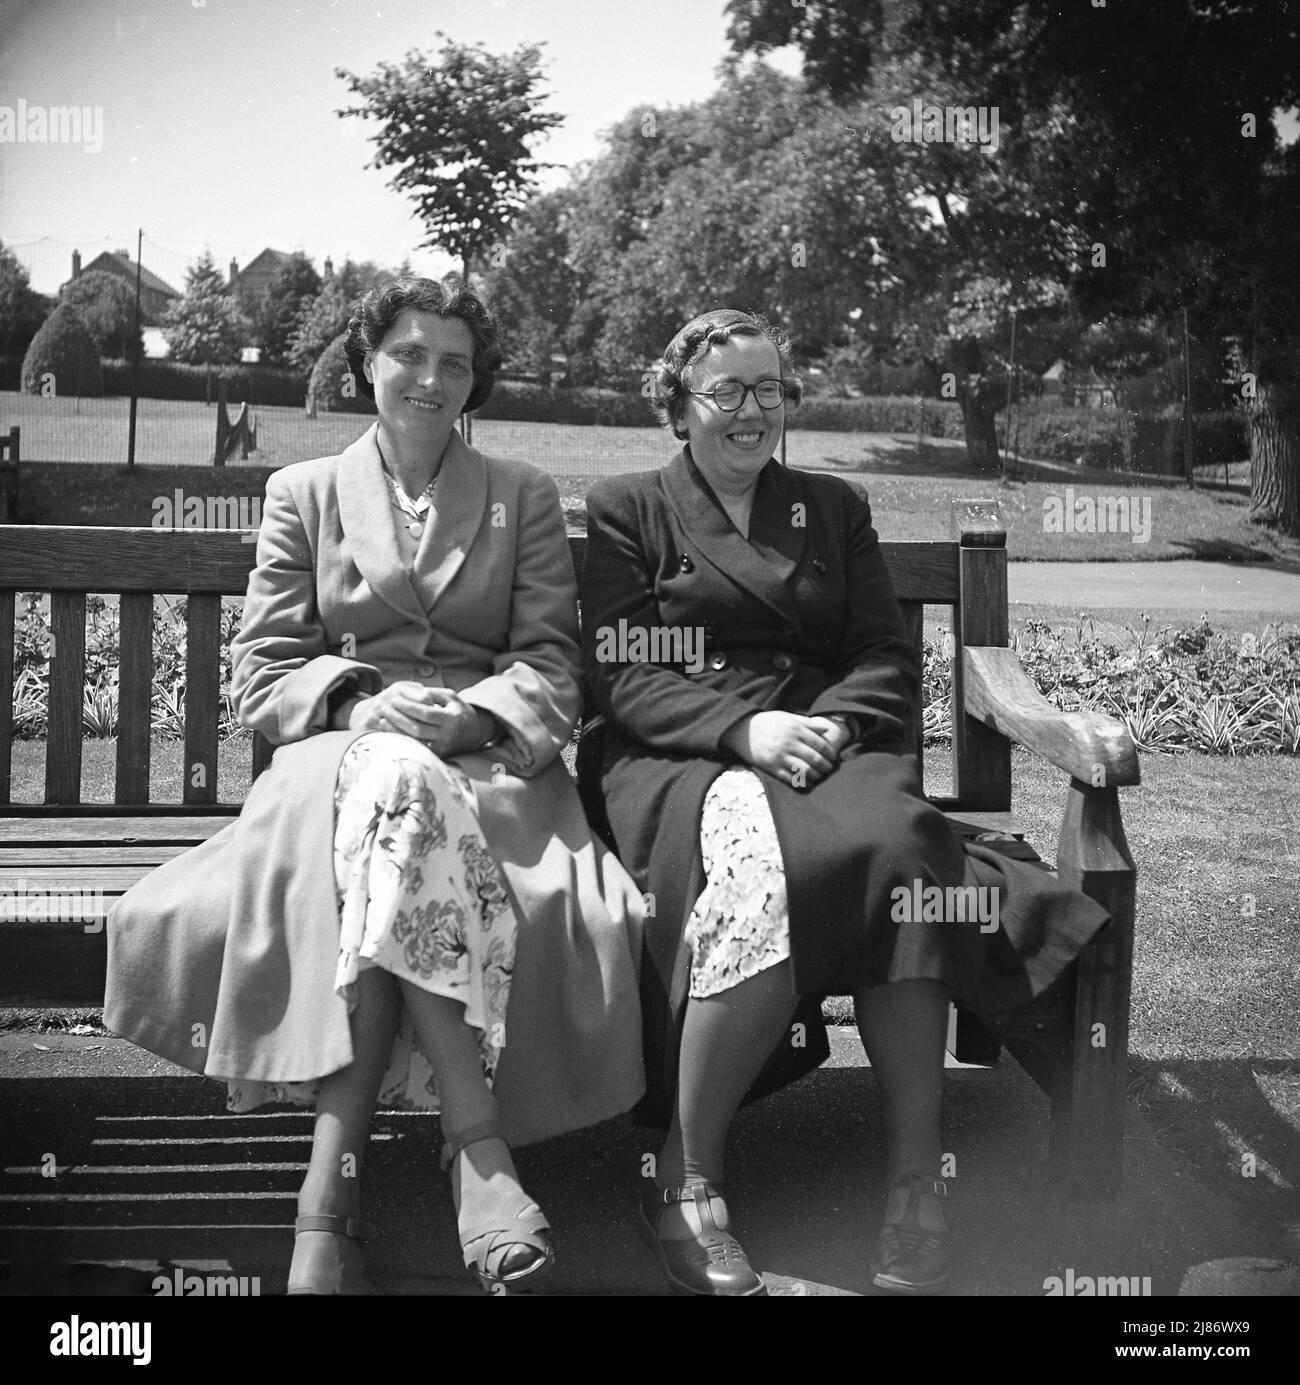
(458, 130)
(205, 326)
(333, 385)
(325, 316)
(293, 289)
(1155, 147)
(107, 306)
(63, 358)
(22, 309)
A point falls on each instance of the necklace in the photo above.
(417, 508)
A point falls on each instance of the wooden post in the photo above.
(981, 757)
(1088, 1112)
(1189, 443)
(223, 424)
(137, 352)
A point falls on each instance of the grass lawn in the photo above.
(910, 485)
(1216, 980)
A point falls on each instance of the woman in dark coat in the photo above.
(411, 905)
(747, 652)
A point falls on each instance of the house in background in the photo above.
(251, 283)
(155, 293)
(1088, 391)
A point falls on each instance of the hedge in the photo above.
(259, 384)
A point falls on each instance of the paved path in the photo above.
(1184, 585)
(152, 1170)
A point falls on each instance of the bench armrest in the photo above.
(1000, 694)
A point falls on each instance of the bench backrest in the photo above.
(967, 575)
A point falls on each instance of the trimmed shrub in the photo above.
(63, 354)
(512, 401)
(334, 385)
(879, 414)
(256, 384)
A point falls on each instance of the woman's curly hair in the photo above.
(668, 387)
(376, 311)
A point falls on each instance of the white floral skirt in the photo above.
(740, 924)
(420, 895)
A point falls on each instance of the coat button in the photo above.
(819, 564)
(718, 660)
(784, 662)
(686, 564)
(425, 670)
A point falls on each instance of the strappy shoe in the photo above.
(911, 1258)
(711, 1264)
(507, 1249)
(340, 1273)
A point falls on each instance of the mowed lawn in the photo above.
(911, 485)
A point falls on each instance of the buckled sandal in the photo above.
(507, 1249)
(343, 1274)
(911, 1258)
(712, 1264)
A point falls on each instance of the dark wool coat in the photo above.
(223, 959)
(801, 617)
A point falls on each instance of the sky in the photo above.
(218, 127)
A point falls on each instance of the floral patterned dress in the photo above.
(419, 895)
(740, 924)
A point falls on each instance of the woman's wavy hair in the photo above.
(669, 390)
(375, 312)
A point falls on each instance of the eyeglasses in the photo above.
(730, 396)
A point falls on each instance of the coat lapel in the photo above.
(365, 513)
(761, 564)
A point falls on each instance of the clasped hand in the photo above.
(435, 716)
(801, 750)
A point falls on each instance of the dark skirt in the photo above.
(880, 889)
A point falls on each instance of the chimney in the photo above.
(124, 255)
(329, 267)
(234, 270)
(76, 263)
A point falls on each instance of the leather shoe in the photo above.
(911, 1258)
(711, 1264)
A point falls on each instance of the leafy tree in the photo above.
(22, 309)
(289, 294)
(458, 130)
(63, 357)
(107, 306)
(205, 325)
(322, 319)
(1153, 146)
(333, 385)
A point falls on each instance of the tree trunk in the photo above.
(978, 402)
(1273, 418)
(981, 432)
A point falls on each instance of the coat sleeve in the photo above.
(534, 688)
(880, 681)
(652, 703)
(282, 671)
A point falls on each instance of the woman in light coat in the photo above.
(410, 906)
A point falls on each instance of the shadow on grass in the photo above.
(1230, 551)
(1236, 1122)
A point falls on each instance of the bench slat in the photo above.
(134, 698)
(7, 605)
(202, 698)
(16, 861)
(66, 697)
(43, 832)
(103, 559)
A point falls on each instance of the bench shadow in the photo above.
(154, 1171)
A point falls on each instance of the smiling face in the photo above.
(732, 448)
(423, 372)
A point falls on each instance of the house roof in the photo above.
(265, 262)
(111, 263)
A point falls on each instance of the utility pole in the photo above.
(138, 352)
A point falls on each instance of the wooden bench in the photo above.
(1073, 1041)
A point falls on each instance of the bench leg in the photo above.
(1088, 1113)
